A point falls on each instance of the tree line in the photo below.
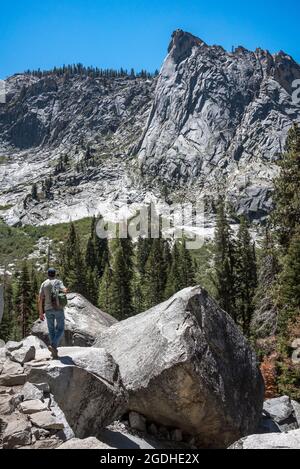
(79, 69)
(20, 293)
(124, 278)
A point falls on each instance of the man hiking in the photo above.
(52, 300)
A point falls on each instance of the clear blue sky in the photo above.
(135, 33)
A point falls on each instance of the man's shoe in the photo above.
(53, 351)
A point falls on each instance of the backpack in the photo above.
(58, 299)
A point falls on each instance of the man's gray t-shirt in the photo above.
(46, 289)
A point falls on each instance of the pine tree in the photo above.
(264, 301)
(289, 285)
(186, 266)
(120, 290)
(34, 291)
(155, 275)
(90, 254)
(285, 220)
(224, 263)
(7, 324)
(181, 273)
(287, 191)
(104, 294)
(24, 301)
(92, 285)
(174, 281)
(97, 251)
(246, 277)
(142, 253)
(72, 265)
(143, 248)
(128, 253)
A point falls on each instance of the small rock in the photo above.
(40, 433)
(296, 344)
(24, 354)
(44, 387)
(279, 409)
(2, 343)
(31, 392)
(137, 422)
(35, 342)
(32, 407)
(16, 400)
(296, 407)
(12, 380)
(12, 368)
(6, 407)
(6, 390)
(88, 443)
(46, 420)
(46, 444)
(17, 433)
(36, 363)
(12, 346)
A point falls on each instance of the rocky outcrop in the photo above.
(52, 110)
(94, 121)
(31, 423)
(83, 323)
(186, 365)
(290, 440)
(90, 380)
(220, 116)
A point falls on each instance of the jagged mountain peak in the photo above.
(182, 43)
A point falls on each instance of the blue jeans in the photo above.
(56, 325)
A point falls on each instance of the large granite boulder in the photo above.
(289, 440)
(83, 323)
(185, 364)
(86, 386)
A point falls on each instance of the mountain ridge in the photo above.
(211, 122)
